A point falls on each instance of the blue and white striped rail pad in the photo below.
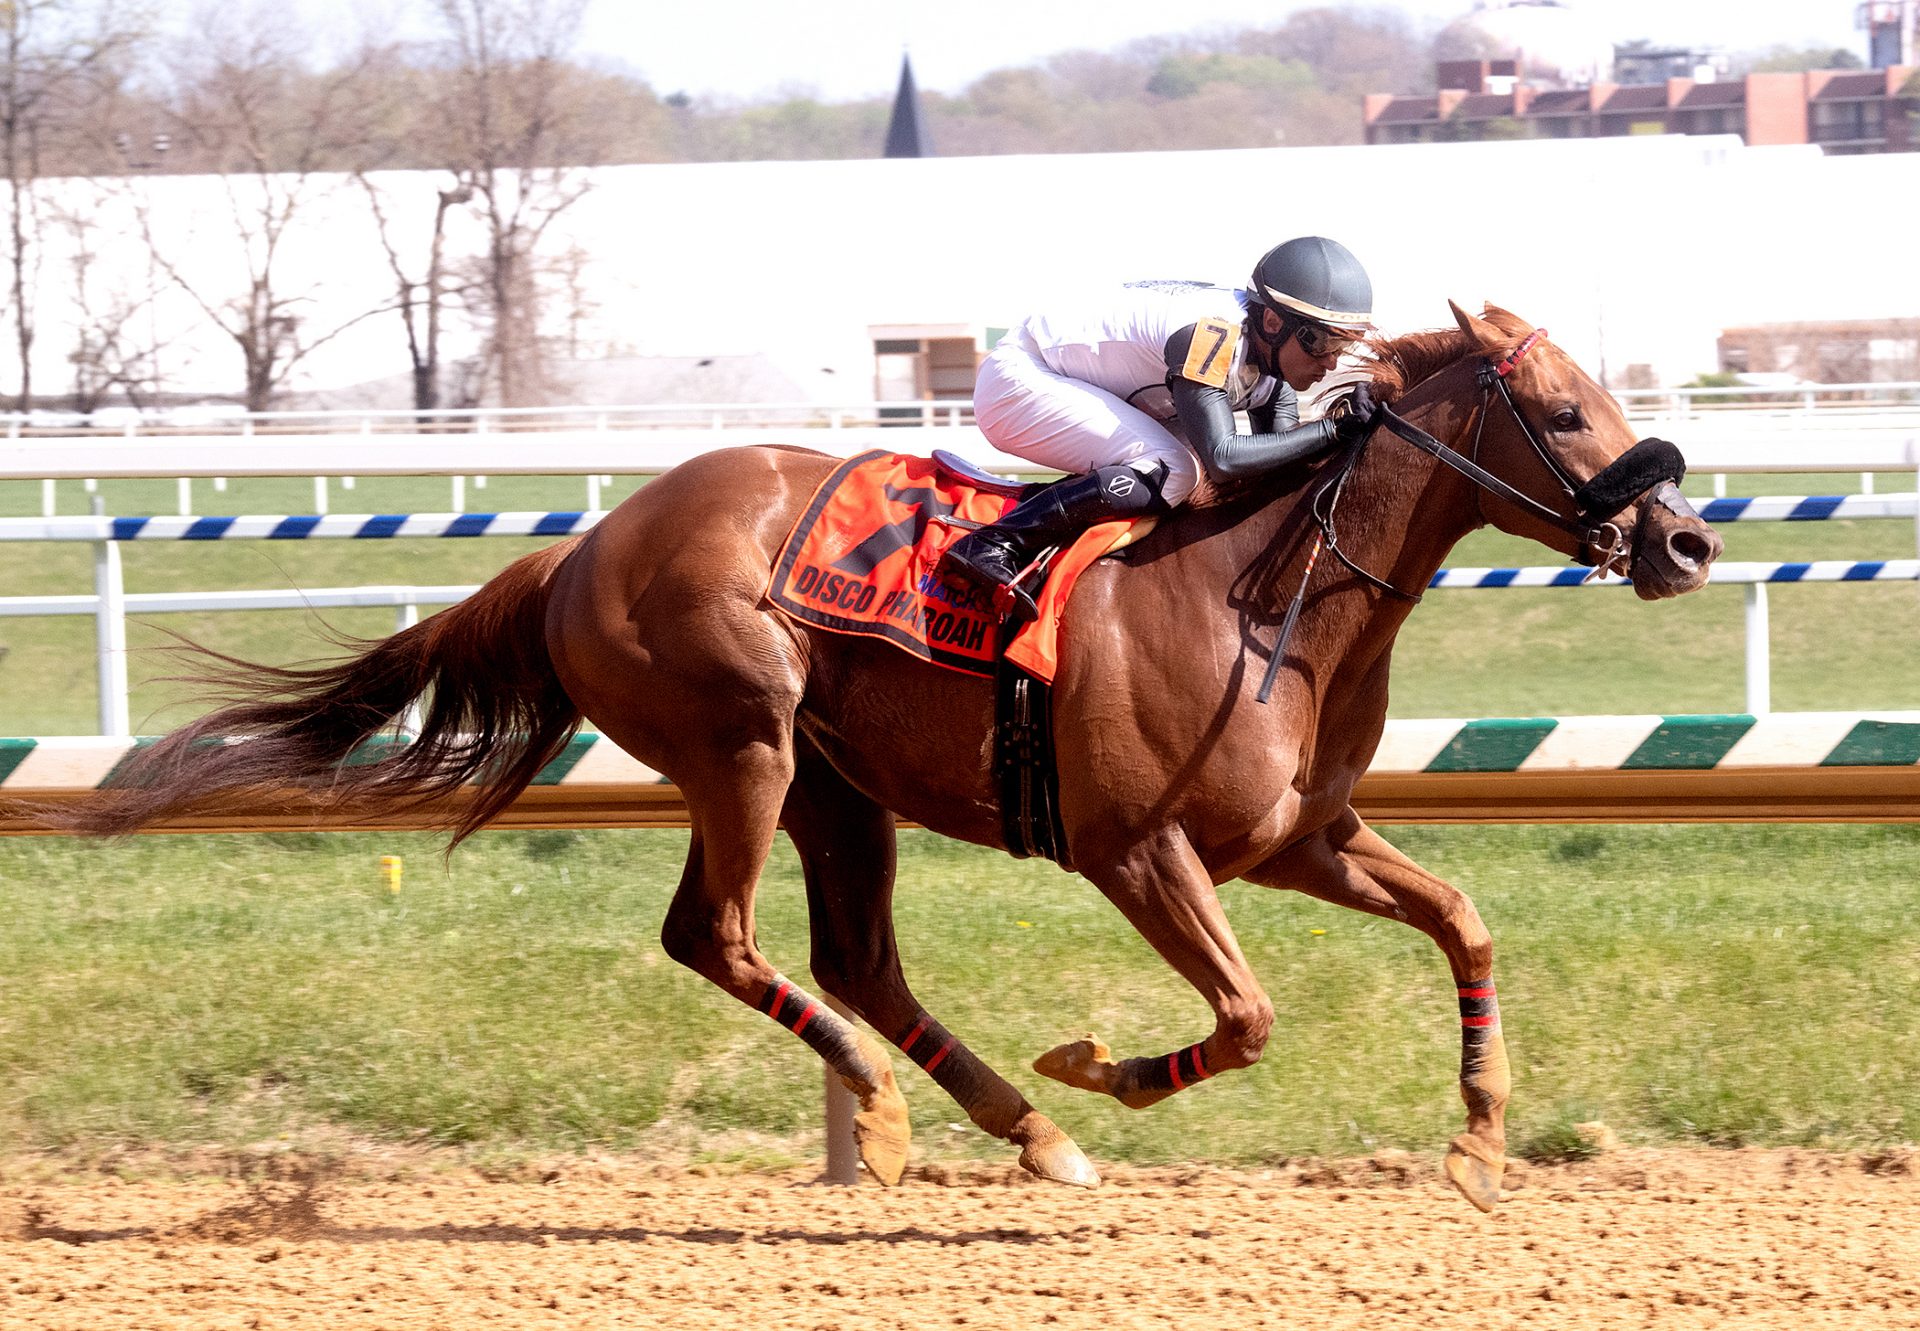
(1725, 573)
(297, 527)
(1808, 508)
(386, 526)
(1522, 744)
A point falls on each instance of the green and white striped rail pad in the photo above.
(1652, 743)
(85, 762)
(1585, 743)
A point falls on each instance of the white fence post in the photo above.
(1759, 666)
(183, 485)
(110, 633)
(320, 494)
(843, 1157)
(406, 618)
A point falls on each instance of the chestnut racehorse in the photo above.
(1173, 776)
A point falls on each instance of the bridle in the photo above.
(1603, 546)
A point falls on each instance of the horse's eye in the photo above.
(1567, 418)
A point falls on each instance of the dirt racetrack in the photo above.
(1633, 1239)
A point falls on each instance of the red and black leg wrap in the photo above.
(952, 1065)
(955, 1069)
(811, 1020)
(1174, 1072)
(927, 1043)
(1479, 1013)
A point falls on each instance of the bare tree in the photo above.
(116, 343)
(421, 300)
(53, 55)
(517, 136)
(273, 131)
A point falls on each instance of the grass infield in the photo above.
(1688, 984)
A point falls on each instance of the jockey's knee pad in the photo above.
(1133, 489)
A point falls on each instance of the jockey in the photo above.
(1135, 399)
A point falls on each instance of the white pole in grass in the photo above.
(1759, 668)
(415, 715)
(843, 1157)
(110, 633)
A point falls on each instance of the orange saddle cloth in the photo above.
(862, 555)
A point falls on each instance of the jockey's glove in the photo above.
(1352, 415)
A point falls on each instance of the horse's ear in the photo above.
(1507, 322)
(1480, 331)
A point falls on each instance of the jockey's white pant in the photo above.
(1027, 408)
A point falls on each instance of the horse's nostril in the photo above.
(1690, 549)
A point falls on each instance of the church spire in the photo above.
(907, 131)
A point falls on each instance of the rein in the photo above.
(1595, 503)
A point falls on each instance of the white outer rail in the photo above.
(1715, 445)
(1736, 445)
(1664, 403)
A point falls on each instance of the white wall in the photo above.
(1628, 250)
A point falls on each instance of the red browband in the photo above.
(1505, 367)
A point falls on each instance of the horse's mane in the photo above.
(1394, 365)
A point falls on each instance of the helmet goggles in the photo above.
(1320, 341)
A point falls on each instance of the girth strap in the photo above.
(1023, 764)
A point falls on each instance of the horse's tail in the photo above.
(495, 714)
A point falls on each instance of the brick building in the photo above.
(1858, 351)
(1843, 111)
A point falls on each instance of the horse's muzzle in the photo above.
(1673, 547)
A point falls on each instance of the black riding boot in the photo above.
(993, 556)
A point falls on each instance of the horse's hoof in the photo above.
(1475, 1169)
(881, 1131)
(1048, 1153)
(882, 1141)
(1083, 1064)
(1058, 1160)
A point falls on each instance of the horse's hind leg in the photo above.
(846, 846)
(734, 799)
(1349, 864)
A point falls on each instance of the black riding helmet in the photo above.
(1316, 280)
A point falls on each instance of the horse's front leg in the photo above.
(1349, 864)
(1165, 893)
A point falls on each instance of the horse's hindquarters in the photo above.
(657, 627)
(914, 737)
